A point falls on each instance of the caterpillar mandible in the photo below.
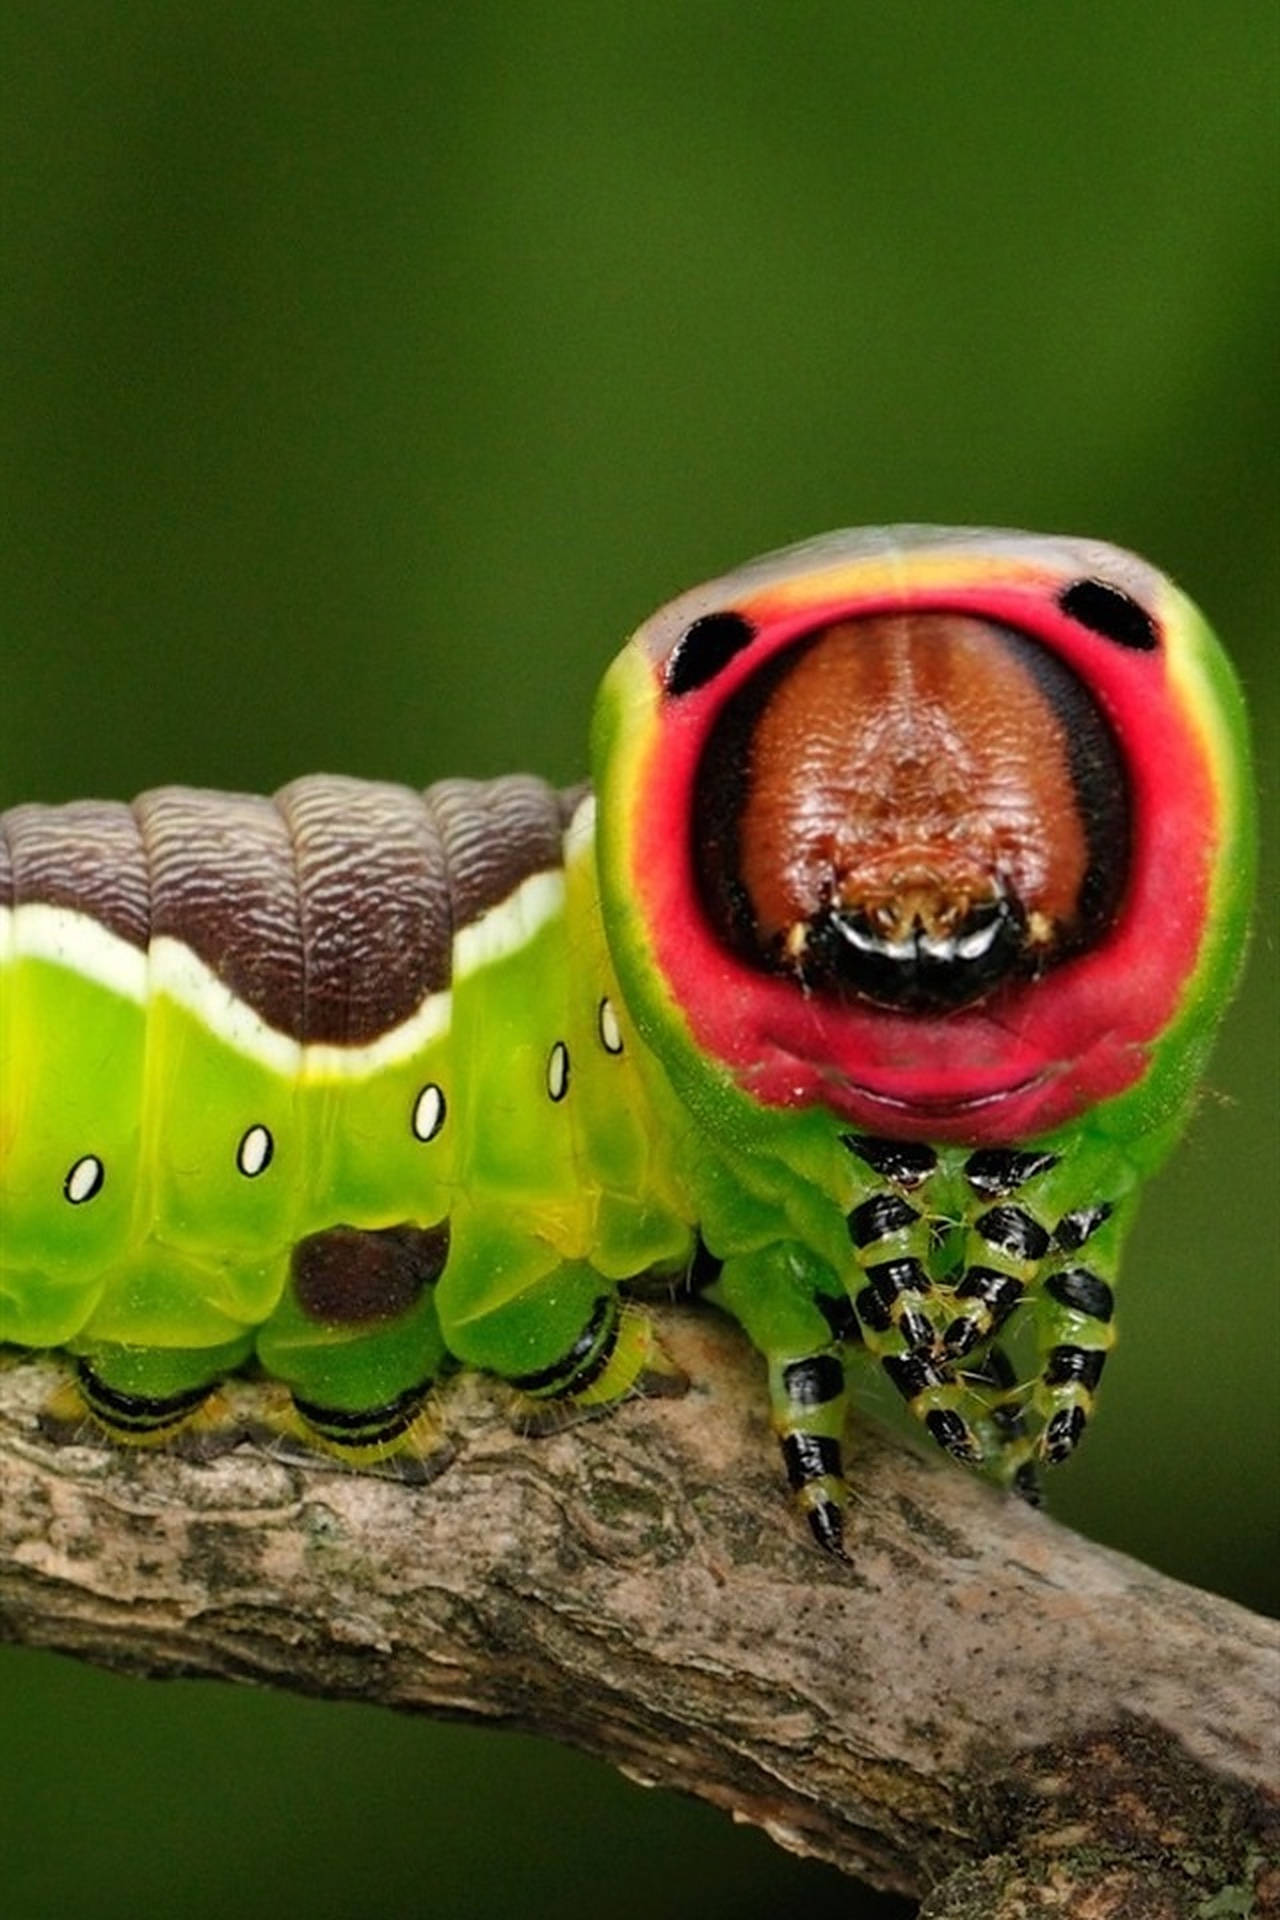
(861, 993)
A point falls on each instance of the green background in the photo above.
(366, 372)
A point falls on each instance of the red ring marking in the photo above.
(1035, 1053)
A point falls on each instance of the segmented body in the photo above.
(331, 1068)
(882, 979)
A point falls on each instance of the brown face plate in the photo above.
(911, 808)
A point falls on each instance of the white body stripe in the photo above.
(580, 834)
(83, 945)
(75, 940)
(510, 925)
(178, 974)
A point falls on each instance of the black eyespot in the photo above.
(1113, 614)
(705, 649)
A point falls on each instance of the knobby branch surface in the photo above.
(982, 1708)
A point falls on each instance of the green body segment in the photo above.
(550, 1192)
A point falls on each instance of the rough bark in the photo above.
(982, 1709)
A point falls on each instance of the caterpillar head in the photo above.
(945, 832)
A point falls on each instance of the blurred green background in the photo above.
(367, 373)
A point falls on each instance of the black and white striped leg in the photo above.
(891, 1245)
(1075, 1306)
(925, 1379)
(900, 1309)
(1009, 1444)
(1003, 1250)
(795, 1310)
(808, 1401)
(937, 1399)
(1076, 1334)
(986, 1298)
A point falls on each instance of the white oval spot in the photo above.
(428, 1112)
(253, 1155)
(610, 1031)
(558, 1071)
(84, 1180)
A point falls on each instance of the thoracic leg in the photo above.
(1002, 1250)
(922, 1373)
(1070, 1297)
(891, 1245)
(1007, 1444)
(1074, 1326)
(788, 1304)
(902, 1310)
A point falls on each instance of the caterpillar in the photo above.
(859, 995)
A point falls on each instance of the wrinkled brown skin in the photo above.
(915, 763)
(981, 1708)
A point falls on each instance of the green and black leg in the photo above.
(794, 1309)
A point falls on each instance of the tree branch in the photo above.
(983, 1704)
